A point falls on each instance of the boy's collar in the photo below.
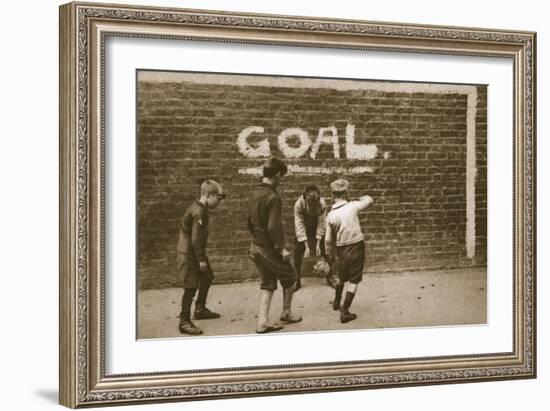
(339, 203)
(265, 185)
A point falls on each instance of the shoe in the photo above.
(204, 313)
(291, 318)
(336, 304)
(187, 327)
(346, 317)
(267, 328)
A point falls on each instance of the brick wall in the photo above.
(187, 131)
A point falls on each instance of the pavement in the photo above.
(388, 300)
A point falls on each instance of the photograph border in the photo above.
(84, 28)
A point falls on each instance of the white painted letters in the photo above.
(358, 151)
(263, 149)
(326, 135)
(294, 152)
(328, 139)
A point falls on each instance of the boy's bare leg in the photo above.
(265, 303)
(286, 315)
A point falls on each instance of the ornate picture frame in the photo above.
(84, 30)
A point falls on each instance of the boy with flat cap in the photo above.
(344, 236)
(268, 250)
(192, 259)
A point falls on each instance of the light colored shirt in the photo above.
(343, 225)
(300, 209)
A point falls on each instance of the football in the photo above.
(321, 268)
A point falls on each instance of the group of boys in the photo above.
(337, 233)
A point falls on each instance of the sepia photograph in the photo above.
(271, 204)
(355, 198)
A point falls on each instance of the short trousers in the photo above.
(189, 268)
(271, 267)
(351, 259)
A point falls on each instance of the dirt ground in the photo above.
(409, 299)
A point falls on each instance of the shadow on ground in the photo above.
(51, 396)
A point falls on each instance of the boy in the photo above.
(344, 234)
(268, 250)
(310, 228)
(192, 260)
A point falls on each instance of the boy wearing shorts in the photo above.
(345, 239)
(192, 259)
(268, 250)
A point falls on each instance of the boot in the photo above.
(186, 326)
(203, 313)
(337, 296)
(345, 315)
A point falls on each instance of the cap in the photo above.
(339, 186)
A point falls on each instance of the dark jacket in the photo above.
(193, 232)
(264, 217)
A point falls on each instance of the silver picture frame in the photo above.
(84, 28)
